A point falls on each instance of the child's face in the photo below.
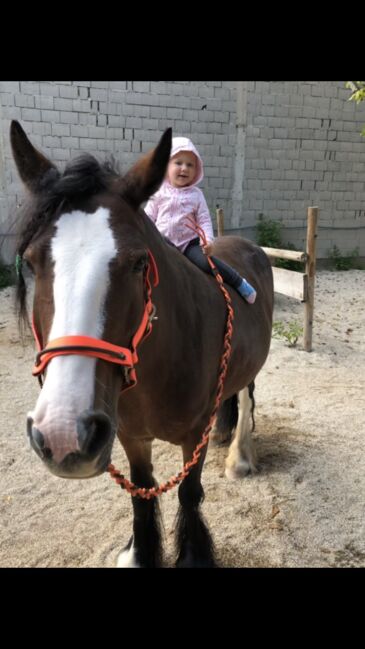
(181, 169)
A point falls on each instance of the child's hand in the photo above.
(207, 249)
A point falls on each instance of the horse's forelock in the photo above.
(83, 177)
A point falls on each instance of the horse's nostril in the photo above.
(93, 431)
(36, 437)
(29, 426)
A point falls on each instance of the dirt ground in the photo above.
(306, 506)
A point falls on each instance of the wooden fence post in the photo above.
(310, 269)
(220, 221)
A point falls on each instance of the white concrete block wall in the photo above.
(302, 145)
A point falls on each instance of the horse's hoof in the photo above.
(240, 470)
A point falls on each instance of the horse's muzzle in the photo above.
(95, 439)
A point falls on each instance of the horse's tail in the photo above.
(227, 418)
(251, 389)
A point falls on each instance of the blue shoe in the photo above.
(247, 291)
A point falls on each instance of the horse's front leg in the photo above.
(193, 541)
(144, 549)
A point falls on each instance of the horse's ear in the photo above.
(31, 164)
(146, 176)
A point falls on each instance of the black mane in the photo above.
(56, 191)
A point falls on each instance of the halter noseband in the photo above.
(94, 347)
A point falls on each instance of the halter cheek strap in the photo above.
(94, 347)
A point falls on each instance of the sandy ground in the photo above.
(306, 506)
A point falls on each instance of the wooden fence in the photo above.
(293, 283)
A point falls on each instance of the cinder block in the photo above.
(52, 141)
(29, 88)
(61, 129)
(68, 117)
(150, 125)
(63, 104)
(133, 122)
(84, 118)
(142, 86)
(157, 112)
(31, 114)
(101, 120)
(69, 92)
(143, 111)
(43, 102)
(99, 84)
(100, 94)
(24, 101)
(49, 88)
(71, 142)
(118, 86)
(83, 93)
(89, 144)
(97, 132)
(11, 112)
(181, 127)
(80, 105)
(174, 113)
(10, 86)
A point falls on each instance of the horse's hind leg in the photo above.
(144, 548)
(225, 423)
(193, 541)
(241, 458)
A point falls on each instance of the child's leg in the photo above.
(195, 254)
(229, 275)
(247, 291)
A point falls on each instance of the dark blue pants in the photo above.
(197, 257)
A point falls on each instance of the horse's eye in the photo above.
(29, 266)
(140, 264)
(26, 263)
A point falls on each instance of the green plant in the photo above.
(7, 276)
(268, 232)
(358, 93)
(268, 235)
(289, 331)
(343, 262)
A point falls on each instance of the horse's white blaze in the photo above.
(81, 249)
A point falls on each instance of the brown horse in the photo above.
(96, 258)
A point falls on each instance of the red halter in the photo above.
(94, 347)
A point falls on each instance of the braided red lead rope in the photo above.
(142, 492)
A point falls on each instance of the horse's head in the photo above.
(85, 242)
